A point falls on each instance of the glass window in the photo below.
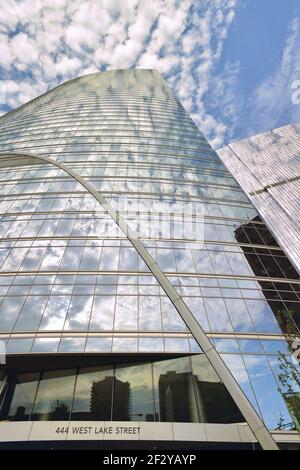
(237, 367)
(90, 258)
(109, 258)
(9, 310)
(102, 317)
(55, 312)
(79, 313)
(287, 374)
(226, 345)
(128, 259)
(19, 345)
(276, 347)
(166, 260)
(151, 344)
(270, 401)
(250, 346)
(196, 306)
(33, 259)
(31, 314)
(262, 316)
(173, 381)
(72, 345)
(149, 313)
(239, 264)
(172, 321)
(220, 263)
(133, 393)
(45, 345)
(126, 313)
(184, 261)
(215, 404)
(2, 379)
(217, 315)
(52, 258)
(101, 344)
(20, 397)
(177, 344)
(54, 397)
(15, 259)
(239, 315)
(202, 262)
(71, 258)
(93, 394)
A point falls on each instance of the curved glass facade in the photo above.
(71, 282)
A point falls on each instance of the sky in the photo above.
(232, 63)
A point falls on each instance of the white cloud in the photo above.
(52, 39)
(24, 49)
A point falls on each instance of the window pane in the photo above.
(79, 313)
(55, 312)
(93, 394)
(9, 310)
(102, 317)
(149, 313)
(239, 315)
(133, 393)
(22, 397)
(54, 398)
(270, 401)
(126, 313)
(215, 405)
(217, 315)
(173, 381)
(31, 314)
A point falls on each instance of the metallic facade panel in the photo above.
(267, 166)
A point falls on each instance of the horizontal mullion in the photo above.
(145, 273)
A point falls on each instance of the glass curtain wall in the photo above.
(71, 282)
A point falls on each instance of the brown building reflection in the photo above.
(283, 298)
(101, 399)
(184, 398)
(107, 396)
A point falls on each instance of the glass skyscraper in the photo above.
(134, 269)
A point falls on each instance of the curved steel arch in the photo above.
(255, 423)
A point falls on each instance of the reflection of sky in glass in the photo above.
(174, 170)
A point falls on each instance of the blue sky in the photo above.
(231, 62)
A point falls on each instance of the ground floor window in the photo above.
(180, 389)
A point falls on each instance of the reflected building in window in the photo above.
(175, 391)
(89, 172)
(285, 307)
(209, 401)
(101, 399)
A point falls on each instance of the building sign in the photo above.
(100, 431)
(122, 430)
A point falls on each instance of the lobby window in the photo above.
(93, 394)
(174, 392)
(19, 397)
(214, 402)
(133, 393)
(54, 397)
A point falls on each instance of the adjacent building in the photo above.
(118, 223)
(267, 166)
